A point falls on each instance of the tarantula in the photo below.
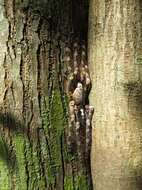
(78, 88)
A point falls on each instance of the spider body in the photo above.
(78, 94)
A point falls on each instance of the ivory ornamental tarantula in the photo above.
(78, 88)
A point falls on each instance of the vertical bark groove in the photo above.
(34, 98)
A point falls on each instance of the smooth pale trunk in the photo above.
(115, 57)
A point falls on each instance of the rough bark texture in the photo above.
(33, 103)
(115, 58)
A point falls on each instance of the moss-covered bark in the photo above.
(115, 53)
(33, 104)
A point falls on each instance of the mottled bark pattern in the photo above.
(115, 40)
(78, 86)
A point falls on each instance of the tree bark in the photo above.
(33, 102)
(115, 58)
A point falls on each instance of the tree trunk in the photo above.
(115, 58)
(34, 36)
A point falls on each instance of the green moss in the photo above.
(53, 126)
(21, 173)
(23, 148)
(68, 185)
(4, 167)
(4, 176)
(29, 161)
(80, 183)
(35, 173)
(56, 112)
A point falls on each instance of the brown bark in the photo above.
(115, 63)
(33, 102)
